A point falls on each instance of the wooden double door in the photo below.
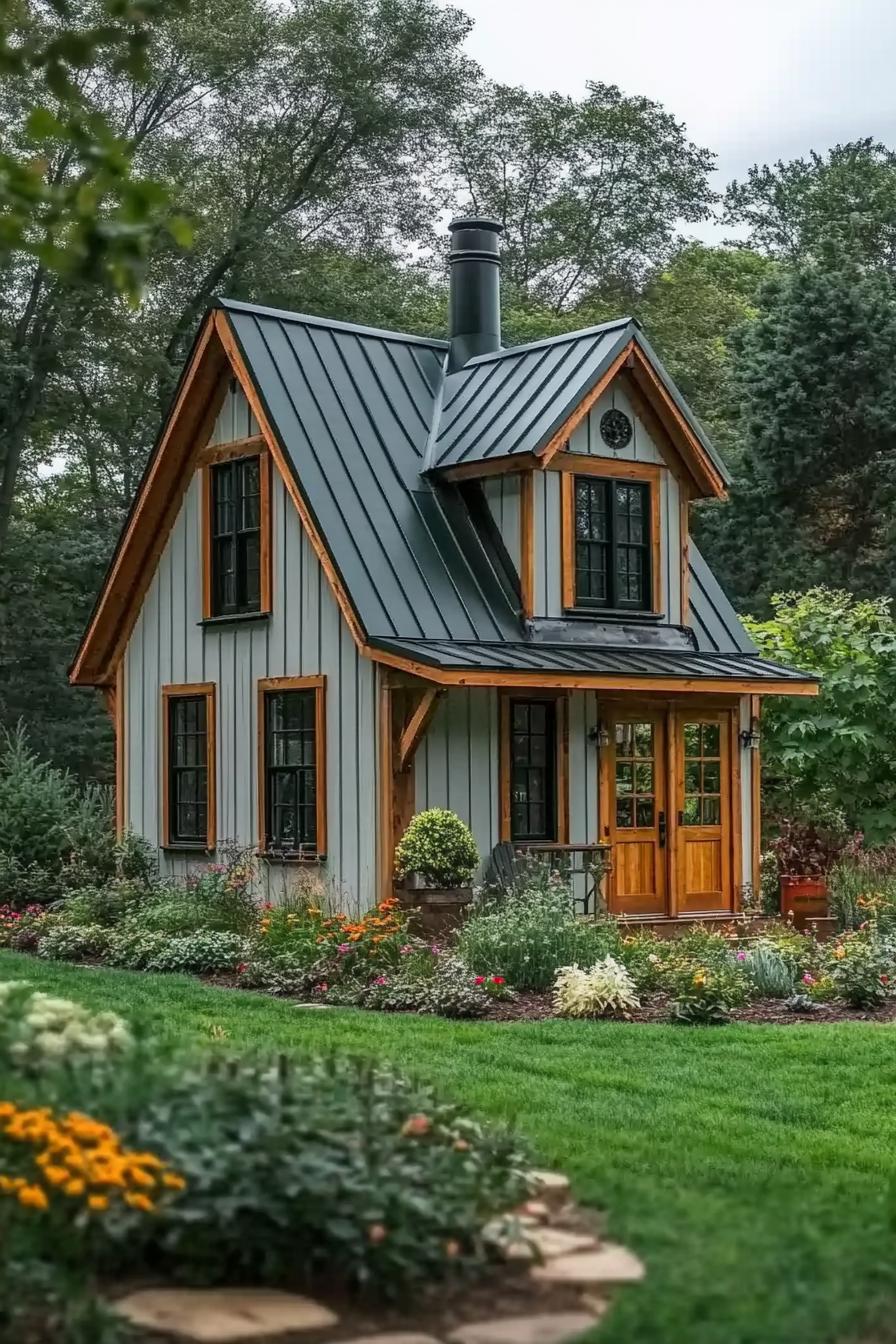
(667, 796)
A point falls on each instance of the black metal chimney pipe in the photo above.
(474, 306)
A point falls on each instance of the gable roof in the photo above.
(516, 402)
(351, 416)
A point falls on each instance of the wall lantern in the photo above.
(599, 735)
(749, 737)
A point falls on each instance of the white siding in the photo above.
(304, 635)
(503, 496)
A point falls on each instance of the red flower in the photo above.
(480, 980)
(885, 979)
(242, 968)
(497, 979)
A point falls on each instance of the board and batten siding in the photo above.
(586, 439)
(503, 496)
(456, 766)
(304, 635)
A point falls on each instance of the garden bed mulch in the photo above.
(537, 1006)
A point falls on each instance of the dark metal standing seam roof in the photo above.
(573, 659)
(352, 409)
(514, 401)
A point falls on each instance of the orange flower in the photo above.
(416, 1126)
(74, 1188)
(376, 1234)
(32, 1197)
(137, 1200)
(98, 1203)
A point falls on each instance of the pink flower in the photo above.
(343, 948)
(436, 950)
(242, 968)
(406, 950)
(741, 956)
(480, 980)
(808, 979)
(381, 980)
(321, 988)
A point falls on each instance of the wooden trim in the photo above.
(234, 354)
(674, 791)
(561, 727)
(695, 457)
(581, 464)
(271, 685)
(109, 693)
(489, 466)
(385, 847)
(417, 725)
(574, 681)
(684, 531)
(755, 800)
(121, 815)
(568, 540)
(189, 424)
(737, 856)
(265, 529)
(527, 544)
(250, 446)
(177, 691)
(575, 464)
(562, 435)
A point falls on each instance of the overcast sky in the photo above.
(754, 80)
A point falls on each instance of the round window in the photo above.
(615, 429)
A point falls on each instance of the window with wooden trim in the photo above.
(533, 769)
(188, 784)
(237, 547)
(292, 778)
(612, 544)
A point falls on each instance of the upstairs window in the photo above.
(612, 544)
(237, 516)
(293, 775)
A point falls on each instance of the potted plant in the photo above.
(805, 854)
(436, 858)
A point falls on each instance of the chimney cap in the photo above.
(476, 222)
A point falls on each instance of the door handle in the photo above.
(661, 824)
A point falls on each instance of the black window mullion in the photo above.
(291, 749)
(236, 584)
(187, 730)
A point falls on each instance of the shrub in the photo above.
(36, 803)
(133, 948)
(38, 1031)
(282, 974)
(449, 991)
(23, 884)
(705, 995)
(862, 888)
(438, 846)
(73, 942)
(338, 1166)
(768, 972)
(199, 953)
(607, 990)
(533, 931)
(12, 919)
(341, 948)
(861, 971)
(222, 892)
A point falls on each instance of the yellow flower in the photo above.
(32, 1197)
(172, 1181)
(75, 1187)
(139, 1201)
(57, 1175)
(141, 1177)
(98, 1203)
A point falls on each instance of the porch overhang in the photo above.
(578, 667)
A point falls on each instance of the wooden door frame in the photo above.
(671, 710)
(631, 709)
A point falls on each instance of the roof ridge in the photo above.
(306, 319)
(564, 337)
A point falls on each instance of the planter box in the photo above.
(803, 899)
(434, 910)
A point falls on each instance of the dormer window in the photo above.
(611, 538)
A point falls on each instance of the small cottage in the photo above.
(367, 573)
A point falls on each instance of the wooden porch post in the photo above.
(405, 713)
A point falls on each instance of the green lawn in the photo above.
(751, 1167)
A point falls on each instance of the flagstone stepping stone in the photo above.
(551, 1187)
(540, 1243)
(608, 1264)
(549, 1328)
(535, 1209)
(218, 1315)
(401, 1337)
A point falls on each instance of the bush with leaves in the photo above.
(201, 953)
(39, 1031)
(606, 990)
(133, 947)
(282, 973)
(770, 975)
(439, 847)
(527, 935)
(861, 969)
(705, 995)
(272, 1149)
(74, 942)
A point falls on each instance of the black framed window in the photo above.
(533, 770)
(291, 771)
(612, 544)
(236, 536)
(187, 770)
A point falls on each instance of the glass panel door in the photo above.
(635, 823)
(703, 811)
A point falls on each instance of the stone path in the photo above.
(561, 1256)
